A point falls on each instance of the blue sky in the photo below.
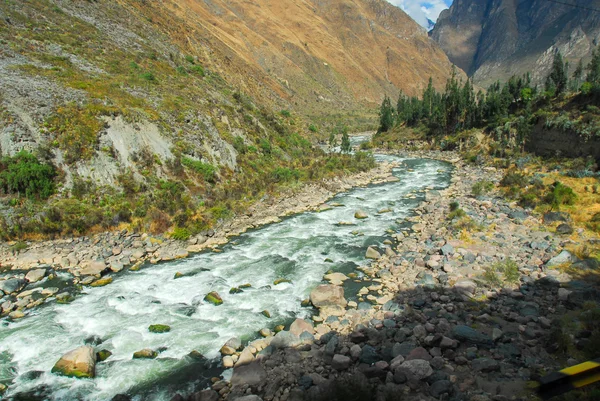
(421, 10)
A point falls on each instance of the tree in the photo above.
(386, 115)
(332, 141)
(557, 80)
(346, 147)
(577, 76)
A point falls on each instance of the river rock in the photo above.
(336, 278)
(372, 253)
(340, 362)
(93, 269)
(102, 282)
(252, 374)
(213, 298)
(159, 328)
(561, 258)
(145, 353)
(12, 285)
(465, 333)
(33, 276)
(359, 214)
(417, 368)
(80, 363)
(299, 326)
(326, 295)
(564, 229)
(285, 339)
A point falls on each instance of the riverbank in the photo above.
(53, 270)
(478, 299)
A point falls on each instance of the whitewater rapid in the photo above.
(295, 249)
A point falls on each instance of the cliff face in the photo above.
(494, 39)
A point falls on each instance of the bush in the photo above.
(491, 277)
(198, 69)
(482, 187)
(285, 113)
(24, 175)
(512, 178)
(207, 171)
(284, 174)
(148, 76)
(560, 195)
(181, 234)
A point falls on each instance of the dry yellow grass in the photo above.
(587, 204)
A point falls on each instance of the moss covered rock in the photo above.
(145, 353)
(213, 298)
(235, 290)
(159, 328)
(178, 275)
(281, 280)
(244, 286)
(266, 313)
(103, 355)
(102, 282)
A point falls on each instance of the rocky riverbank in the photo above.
(55, 270)
(463, 305)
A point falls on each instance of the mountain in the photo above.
(494, 39)
(188, 104)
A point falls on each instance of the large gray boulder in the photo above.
(33, 276)
(328, 296)
(80, 363)
(12, 285)
(252, 374)
(300, 326)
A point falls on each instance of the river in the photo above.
(295, 249)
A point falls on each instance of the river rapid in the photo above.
(300, 249)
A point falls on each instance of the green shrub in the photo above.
(510, 271)
(198, 69)
(148, 76)
(285, 113)
(491, 277)
(312, 128)
(454, 206)
(482, 187)
(239, 145)
(189, 59)
(559, 195)
(265, 146)
(207, 171)
(284, 174)
(181, 234)
(512, 178)
(24, 175)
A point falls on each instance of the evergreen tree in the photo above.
(557, 80)
(386, 115)
(577, 76)
(346, 147)
(593, 76)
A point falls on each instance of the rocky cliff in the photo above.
(494, 39)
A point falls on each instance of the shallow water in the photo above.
(120, 313)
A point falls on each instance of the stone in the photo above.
(369, 355)
(251, 397)
(205, 395)
(466, 287)
(327, 295)
(417, 368)
(102, 282)
(440, 388)
(103, 355)
(563, 294)
(561, 258)
(419, 353)
(228, 362)
(447, 250)
(12, 285)
(281, 281)
(285, 339)
(496, 334)
(79, 363)
(485, 365)
(340, 362)
(159, 328)
(465, 333)
(299, 326)
(246, 357)
(554, 217)
(95, 268)
(372, 253)
(265, 332)
(336, 278)
(145, 353)
(564, 229)
(33, 276)
(213, 298)
(252, 374)
(359, 214)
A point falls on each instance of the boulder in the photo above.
(359, 214)
(336, 278)
(467, 287)
(300, 325)
(213, 298)
(564, 229)
(159, 328)
(327, 295)
(285, 339)
(93, 269)
(80, 363)
(372, 253)
(33, 276)
(12, 285)
(417, 368)
(145, 353)
(561, 258)
(465, 333)
(340, 362)
(205, 395)
(554, 217)
(252, 374)
(447, 250)
(102, 282)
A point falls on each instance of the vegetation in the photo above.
(25, 176)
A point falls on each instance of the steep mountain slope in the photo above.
(494, 39)
(189, 101)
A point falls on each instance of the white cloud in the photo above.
(422, 10)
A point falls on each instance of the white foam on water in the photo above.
(120, 313)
